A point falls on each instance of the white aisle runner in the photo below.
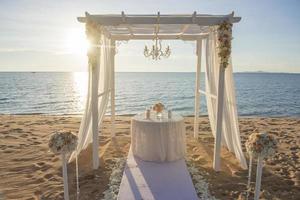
(156, 181)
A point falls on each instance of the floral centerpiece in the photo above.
(158, 107)
(261, 145)
(63, 142)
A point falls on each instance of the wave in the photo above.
(258, 94)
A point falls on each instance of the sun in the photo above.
(76, 42)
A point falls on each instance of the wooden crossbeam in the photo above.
(191, 37)
(127, 26)
(202, 20)
(185, 27)
(207, 94)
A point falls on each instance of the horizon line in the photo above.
(148, 72)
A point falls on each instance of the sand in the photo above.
(29, 171)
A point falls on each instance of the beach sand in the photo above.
(29, 171)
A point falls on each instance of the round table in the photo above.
(157, 139)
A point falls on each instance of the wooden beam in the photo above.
(197, 87)
(260, 161)
(127, 25)
(112, 91)
(106, 32)
(219, 120)
(94, 106)
(130, 30)
(207, 94)
(192, 37)
(202, 20)
(185, 27)
(103, 28)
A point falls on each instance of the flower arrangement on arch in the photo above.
(224, 42)
(62, 142)
(261, 145)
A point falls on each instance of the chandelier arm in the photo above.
(159, 45)
(157, 51)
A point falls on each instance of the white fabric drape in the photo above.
(230, 126)
(103, 79)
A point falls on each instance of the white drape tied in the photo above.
(230, 126)
(103, 70)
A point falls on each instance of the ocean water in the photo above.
(258, 94)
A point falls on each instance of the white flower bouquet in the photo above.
(261, 145)
(63, 142)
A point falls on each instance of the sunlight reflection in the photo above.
(80, 81)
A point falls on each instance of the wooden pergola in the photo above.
(171, 27)
(120, 27)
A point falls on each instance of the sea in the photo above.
(64, 93)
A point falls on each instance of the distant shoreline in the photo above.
(247, 72)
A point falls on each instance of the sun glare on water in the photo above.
(76, 42)
(80, 81)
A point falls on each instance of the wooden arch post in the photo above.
(197, 88)
(93, 34)
(95, 119)
(219, 120)
(112, 88)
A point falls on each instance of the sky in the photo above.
(44, 35)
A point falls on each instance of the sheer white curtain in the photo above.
(230, 125)
(103, 78)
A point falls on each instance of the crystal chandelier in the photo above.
(156, 52)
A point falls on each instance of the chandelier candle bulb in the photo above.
(147, 114)
(169, 114)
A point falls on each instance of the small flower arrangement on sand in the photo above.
(63, 142)
(261, 145)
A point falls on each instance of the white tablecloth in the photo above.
(158, 139)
